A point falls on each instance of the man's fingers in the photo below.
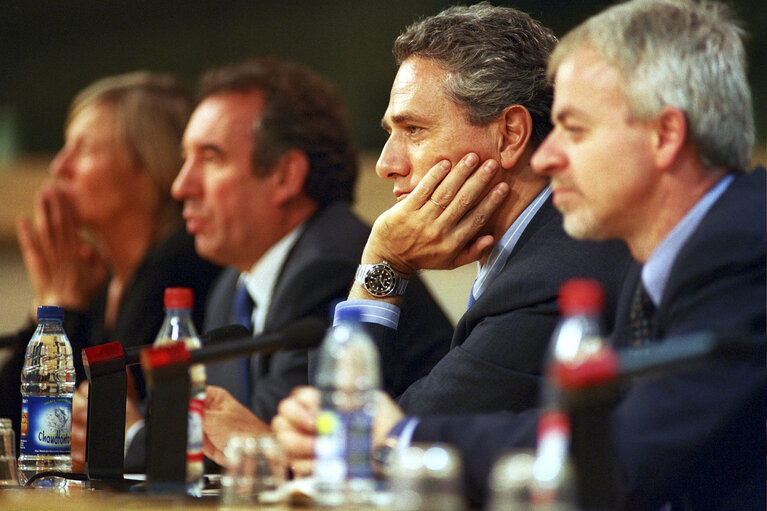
(425, 188)
(213, 452)
(474, 251)
(294, 444)
(30, 246)
(302, 468)
(476, 218)
(447, 190)
(296, 413)
(473, 188)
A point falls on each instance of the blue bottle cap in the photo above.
(50, 312)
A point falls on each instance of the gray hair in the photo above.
(683, 54)
(495, 57)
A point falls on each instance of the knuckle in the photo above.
(479, 219)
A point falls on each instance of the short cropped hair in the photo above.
(302, 111)
(495, 57)
(151, 112)
(679, 53)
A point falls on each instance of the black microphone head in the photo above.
(224, 333)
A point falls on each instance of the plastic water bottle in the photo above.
(178, 327)
(348, 377)
(577, 338)
(552, 486)
(47, 387)
(578, 335)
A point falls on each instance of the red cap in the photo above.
(179, 298)
(553, 420)
(581, 296)
(102, 353)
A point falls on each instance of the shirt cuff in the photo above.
(372, 311)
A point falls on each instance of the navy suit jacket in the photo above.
(500, 342)
(694, 437)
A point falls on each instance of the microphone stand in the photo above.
(105, 367)
(167, 374)
(105, 428)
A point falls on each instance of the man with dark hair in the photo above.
(267, 181)
(471, 80)
(652, 134)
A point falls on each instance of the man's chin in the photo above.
(205, 250)
(580, 228)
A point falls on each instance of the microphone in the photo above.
(217, 335)
(590, 391)
(302, 334)
(105, 368)
(167, 374)
(615, 367)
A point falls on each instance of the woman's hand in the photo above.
(62, 268)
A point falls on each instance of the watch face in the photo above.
(380, 280)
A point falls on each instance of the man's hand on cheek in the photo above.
(436, 225)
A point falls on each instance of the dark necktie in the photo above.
(640, 316)
(243, 313)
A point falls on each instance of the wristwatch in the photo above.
(380, 280)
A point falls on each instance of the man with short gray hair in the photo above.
(471, 98)
(468, 106)
(632, 156)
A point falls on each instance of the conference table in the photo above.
(77, 498)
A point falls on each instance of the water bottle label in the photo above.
(46, 425)
(194, 434)
(359, 444)
(330, 447)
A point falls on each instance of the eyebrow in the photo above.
(403, 118)
(566, 112)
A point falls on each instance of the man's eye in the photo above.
(413, 130)
(573, 131)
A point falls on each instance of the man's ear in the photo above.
(516, 128)
(289, 176)
(670, 136)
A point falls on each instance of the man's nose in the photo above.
(186, 181)
(393, 160)
(548, 157)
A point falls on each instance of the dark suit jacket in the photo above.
(317, 274)
(172, 262)
(694, 437)
(500, 342)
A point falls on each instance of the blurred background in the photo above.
(50, 49)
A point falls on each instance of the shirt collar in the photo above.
(502, 250)
(261, 279)
(656, 270)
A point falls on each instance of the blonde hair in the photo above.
(151, 111)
